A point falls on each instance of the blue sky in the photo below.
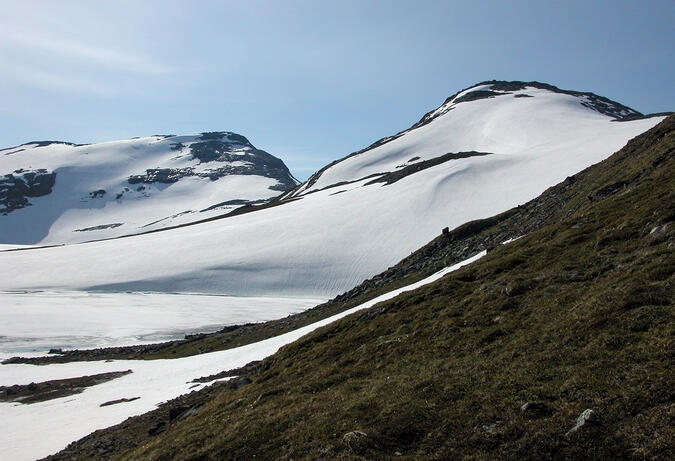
(308, 81)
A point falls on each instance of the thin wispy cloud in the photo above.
(308, 81)
(33, 41)
(51, 80)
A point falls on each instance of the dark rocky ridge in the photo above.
(100, 227)
(54, 389)
(15, 188)
(390, 178)
(221, 147)
(593, 101)
(478, 94)
(44, 144)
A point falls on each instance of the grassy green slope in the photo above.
(577, 314)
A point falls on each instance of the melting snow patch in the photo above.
(507, 241)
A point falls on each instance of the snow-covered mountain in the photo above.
(484, 150)
(55, 192)
(494, 123)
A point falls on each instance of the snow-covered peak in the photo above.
(499, 117)
(494, 88)
(55, 192)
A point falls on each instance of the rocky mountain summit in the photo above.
(56, 192)
(232, 153)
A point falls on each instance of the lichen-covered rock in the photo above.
(535, 408)
(584, 418)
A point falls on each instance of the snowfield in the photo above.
(340, 228)
(37, 322)
(30, 431)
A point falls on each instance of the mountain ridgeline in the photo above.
(482, 152)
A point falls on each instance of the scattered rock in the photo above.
(157, 428)
(100, 227)
(535, 409)
(609, 190)
(115, 402)
(353, 435)
(235, 202)
(658, 230)
(239, 382)
(235, 403)
(382, 341)
(490, 428)
(161, 175)
(238, 373)
(264, 395)
(372, 313)
(175, 412)
(355, 440)
(183, 411)
(587, 416)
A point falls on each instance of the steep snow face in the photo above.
(52, 192)
(484, 151)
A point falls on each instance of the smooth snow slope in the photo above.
(39, 429)
(124, 187)
(517, 125)
(327, 241)
(38, 322)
